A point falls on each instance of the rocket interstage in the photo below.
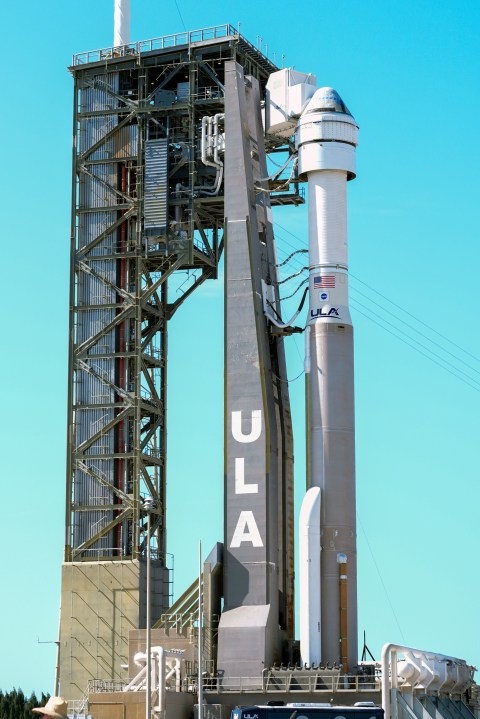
(326, 138)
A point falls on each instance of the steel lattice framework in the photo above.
(133, 227)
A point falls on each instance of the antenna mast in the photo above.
(121, 23)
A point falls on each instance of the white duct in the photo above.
(421, 669)
(165, 665)
(121, 23)
(211, 143)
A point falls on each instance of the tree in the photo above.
(15, 705)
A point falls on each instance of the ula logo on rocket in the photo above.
(332, 312)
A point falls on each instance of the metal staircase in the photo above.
(183, 614)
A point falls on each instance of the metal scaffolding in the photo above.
(147, 203)
(145, 206)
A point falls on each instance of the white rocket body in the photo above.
(326, 138)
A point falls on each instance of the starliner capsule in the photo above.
(326, 138)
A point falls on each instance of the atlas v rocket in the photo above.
(326, 138)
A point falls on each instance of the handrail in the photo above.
(158, 43)
(292, 683)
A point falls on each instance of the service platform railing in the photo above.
(287, 682)
(158, 43)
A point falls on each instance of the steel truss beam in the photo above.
(119, 288)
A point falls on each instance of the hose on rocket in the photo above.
(281, 282)
(292, 254)
(283, 325)
(287, 297)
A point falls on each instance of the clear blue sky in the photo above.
(409, 71)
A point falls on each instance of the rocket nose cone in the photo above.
(326, 99)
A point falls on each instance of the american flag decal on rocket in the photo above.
(322, 281)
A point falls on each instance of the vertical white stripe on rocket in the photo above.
(310, 609)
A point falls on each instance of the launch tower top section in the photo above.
(223, 35)
(148, 201)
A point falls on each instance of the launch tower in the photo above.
(148, 201)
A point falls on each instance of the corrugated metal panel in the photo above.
(156, 186)
(90, 226)
(98, 97)
(92, 129)
(123, 142)
(97, 190)
(183, 91)
(98, 187)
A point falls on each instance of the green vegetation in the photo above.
(15, 705)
